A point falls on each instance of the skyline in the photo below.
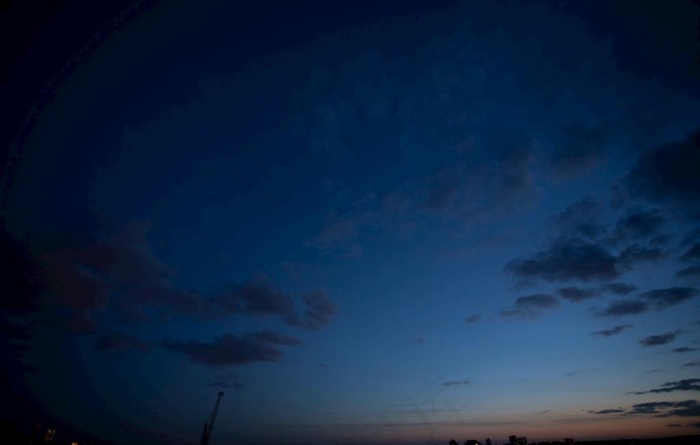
(365, 223)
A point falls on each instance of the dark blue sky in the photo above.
(366, 223)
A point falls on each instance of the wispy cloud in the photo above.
(567, 259)
(621, 308)
(234, 350)
(661, 299)
(681, 385)
(685, 408)
(658, 340)
(456, 382)
(473, 319)
(319, 310)
(530, 307)
(684, 349)
(612, 331)
(657, 299)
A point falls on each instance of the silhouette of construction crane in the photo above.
(209, 423)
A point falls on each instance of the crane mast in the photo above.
(209, 423)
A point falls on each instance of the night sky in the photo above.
(365, 222)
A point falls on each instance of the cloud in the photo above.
(608, 411)
(692, 254)
(612, 331)
(123, 277)
(120, 342)
(318, 312)
(684, 349)
(661, 299)
(457, 383)
(668, 173)
(686, 408)
(530, 307)
(275, 338)
(473, 319)
(336, 233)
(232, 349)
(689, 272)
(121, 272)
(658, 340)
(623, 307)
(581, 219)
(485, 187)
(650, 407)
(638, 225)
(692, 364)
(636, 253)
(567, 259)
(657, 299)
(255, 296)
(619, 288)
(579, 150)
(577, 294)
(681, 385)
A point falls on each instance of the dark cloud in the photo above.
(121, 271)
(638, 225)
(636, 253)
(473, 318)
(336, 233)
(275, 338)
(669, 173)
(123, 276)
(581, 219)
(686, 408)
(530, 306)
(658, 299)
(232, 349)
(580, 149)
(691, 364)
(650, 407)
(661, 299)
(612, 331)
(689, 272)
(255, 296)
(318, 312)
(120, 342)
(681, 385)
(577, 294)
(567, 259)
(658, 340)
(684, 349)
(692, 254)
(608, 411)
(482, 188)
(623, 307)
(619, 288)
(691, 237)
(457, 382)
